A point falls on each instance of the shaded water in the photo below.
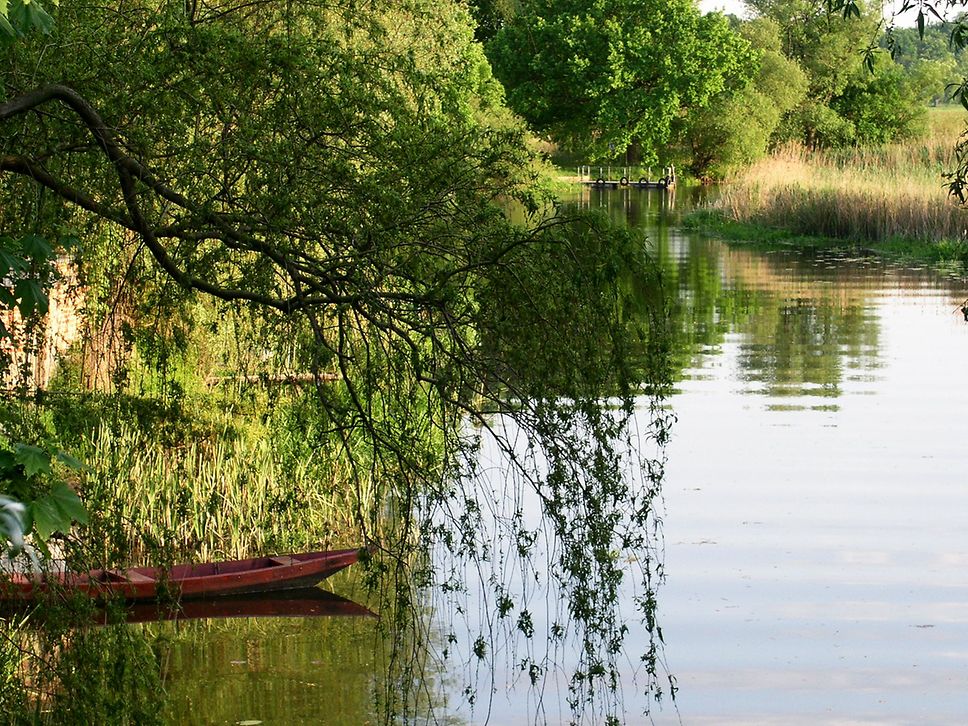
(815, 514)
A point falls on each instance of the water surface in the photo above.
(816, 500)
(815, 512)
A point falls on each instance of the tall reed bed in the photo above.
(869, 195)
(226, 498)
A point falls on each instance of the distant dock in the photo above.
(604, 181)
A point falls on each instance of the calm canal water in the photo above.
(815, 512)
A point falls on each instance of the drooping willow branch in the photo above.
(308, 274)
(408, 312)
(314, 281)
(128, 170)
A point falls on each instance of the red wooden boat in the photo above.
(211, 579)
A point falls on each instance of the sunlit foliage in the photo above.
(334, 186)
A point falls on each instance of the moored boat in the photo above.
(210, 579)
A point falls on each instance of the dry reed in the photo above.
(862, 194)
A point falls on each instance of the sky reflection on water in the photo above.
(817, 525)
(815, 512)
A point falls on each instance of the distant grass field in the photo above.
(870, 195)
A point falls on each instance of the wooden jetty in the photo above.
(603, 181)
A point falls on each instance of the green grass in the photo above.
(714, 223)
(197, 478)
(221, 499)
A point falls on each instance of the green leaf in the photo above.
(32, 297)
(69, 461)
(28, 518)
(47, 518)
(35, 461)
(8, 462)
(29, 15)
(5, 27)
(56, 511)
(68, 503)
(11, 262)
(10, 254)
(37, 247)
(17, 485)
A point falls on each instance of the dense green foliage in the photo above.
(930, 60)
(41, 504)
(825, 44)
(819, 83)
(283, 192)
(848, 101)
(883, 105)
(737, 127)
(600, 77)
(935, 56)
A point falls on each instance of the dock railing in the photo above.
(603, 176)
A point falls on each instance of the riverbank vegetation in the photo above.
(858, 155)
(295, 309)
(794, 73)
(890, 197)
(307, 268)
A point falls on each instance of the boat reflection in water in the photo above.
(310, 602)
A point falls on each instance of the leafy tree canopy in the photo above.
(853, 97)
(737, 126)
(882, 105)
(345, 178)
(600, 76)
(826, 43)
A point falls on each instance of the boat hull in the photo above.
(213, 579)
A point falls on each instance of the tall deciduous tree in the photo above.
(737, 126)
(600, 76)
(826, 44)
(883, 105)
(848, 101)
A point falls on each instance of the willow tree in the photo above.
(346, 177)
